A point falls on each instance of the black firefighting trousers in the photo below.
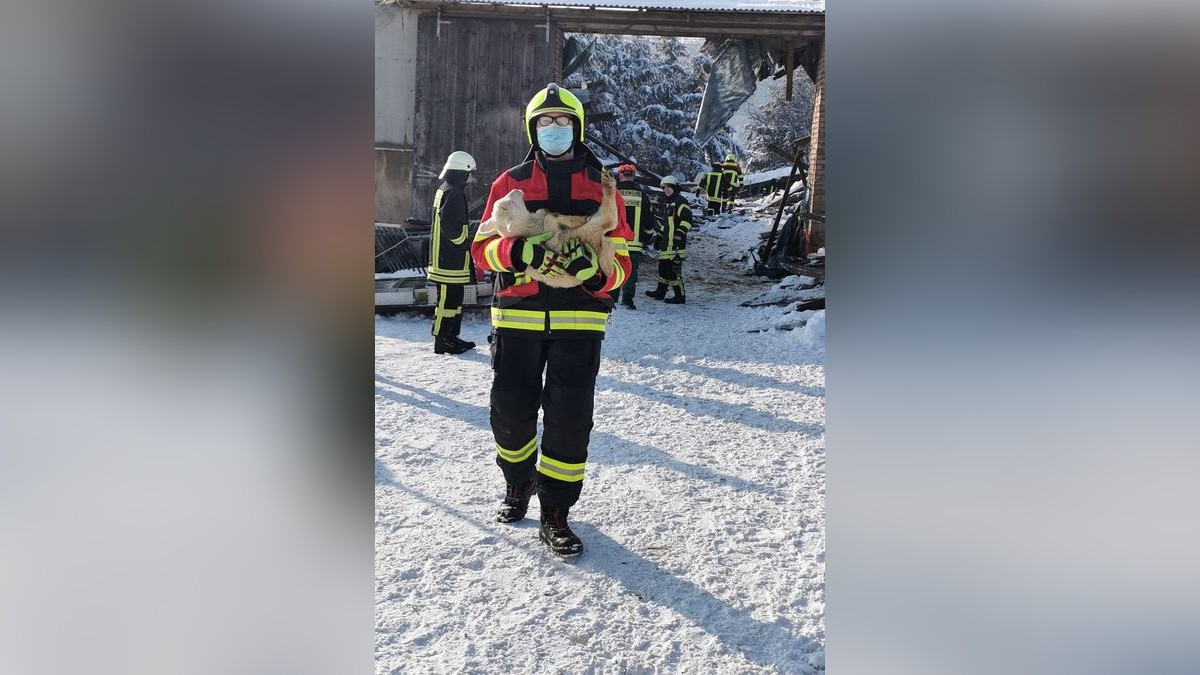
(629, 288)
(566, 398)
(447, 316)
(670, 274)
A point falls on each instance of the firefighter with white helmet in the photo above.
(672, 244)
(459, 160)
(449, 253)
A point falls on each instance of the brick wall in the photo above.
(816, 159)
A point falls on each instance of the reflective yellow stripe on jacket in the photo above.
(491, 252)
(559, 319)
(438, 270)
(519, 319)
(568, 319)
(679, 212)
(713, 187)
(669, 251)
(622, 248)
(633, 199)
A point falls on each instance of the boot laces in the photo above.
(516, 494)
(557, 520)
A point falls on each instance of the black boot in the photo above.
(628, 302)
(454, 328)
(515, 504)
(446, 345)
(658, 293)
(676, 299)
(556, 534)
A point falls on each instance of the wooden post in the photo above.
(791, 65)
(787, 190)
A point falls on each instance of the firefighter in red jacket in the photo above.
(540, 328)
(640, 218)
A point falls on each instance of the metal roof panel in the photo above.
(761, 6)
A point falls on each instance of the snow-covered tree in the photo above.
(779, 122)
(656, 87)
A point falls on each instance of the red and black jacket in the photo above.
(522, 306)
(638, 215)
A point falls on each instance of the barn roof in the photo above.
(798, 20)
(762, 6)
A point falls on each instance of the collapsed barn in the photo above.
(433, 97)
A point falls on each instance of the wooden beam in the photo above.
(705, 30)
(787, 191)
(676, 23)
(788, 155)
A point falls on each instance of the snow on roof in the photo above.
(781, 172)
(768, 6)
(764, 176)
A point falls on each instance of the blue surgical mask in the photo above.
(555, 140)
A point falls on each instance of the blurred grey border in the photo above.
(1011, 347)
(1014, 197)
(186, 483)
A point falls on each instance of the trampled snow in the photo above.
(702, 512)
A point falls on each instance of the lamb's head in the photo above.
(569, 224)
(566, 227)
(510, 208)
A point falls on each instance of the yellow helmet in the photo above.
(730, 157)
(553, 99)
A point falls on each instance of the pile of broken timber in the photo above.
(805, 268)
(795, 195)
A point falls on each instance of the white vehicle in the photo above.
(401, 260)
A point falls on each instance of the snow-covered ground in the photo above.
(702, 513)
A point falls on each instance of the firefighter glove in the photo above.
(536, 256)
(582, 262)
(680, 239)
(646, 237)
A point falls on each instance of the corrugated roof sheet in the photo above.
(763, 6)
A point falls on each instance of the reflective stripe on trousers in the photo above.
(557, 376)
(449, 306)
(519, 455)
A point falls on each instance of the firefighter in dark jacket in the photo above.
(640, 218)
(449, 259)
(672, 243)
(540, 328)
(713, 190)
(731, 180)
